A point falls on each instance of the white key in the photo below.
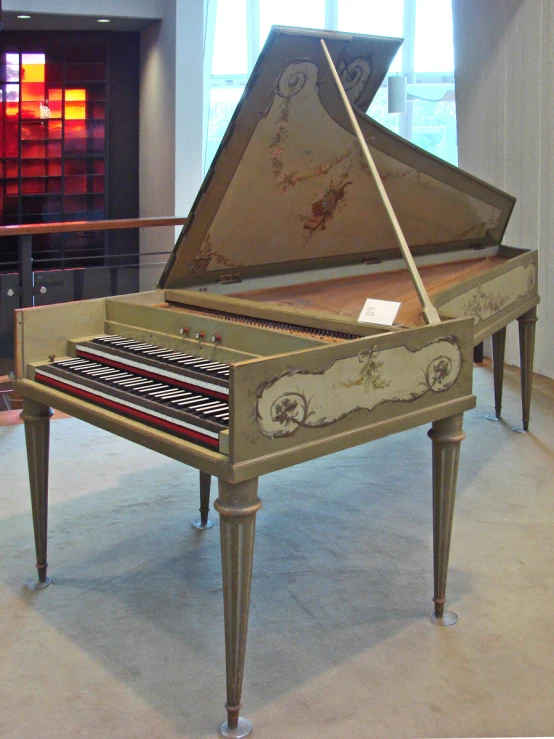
(198, 406)
(123, 342)
(192, 360)
(106, 373)
(98, 372)
(217, 409)
(71, 362)
(174, 356)
(210, 404)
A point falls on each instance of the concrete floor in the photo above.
(128, 641)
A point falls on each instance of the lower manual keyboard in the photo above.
(174, 409)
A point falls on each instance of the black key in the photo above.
(155, 386)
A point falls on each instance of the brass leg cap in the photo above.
(33, 583)
(197, 523)
(244, 727)
(448, 618)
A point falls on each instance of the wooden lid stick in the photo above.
(429, 311)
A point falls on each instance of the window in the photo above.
(238, 29)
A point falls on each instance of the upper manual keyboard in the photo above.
(148, 360)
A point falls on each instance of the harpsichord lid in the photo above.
(290, 189)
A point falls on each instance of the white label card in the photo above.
(379, 311)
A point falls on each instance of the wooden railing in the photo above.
(25, 233)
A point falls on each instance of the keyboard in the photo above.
(176, 392)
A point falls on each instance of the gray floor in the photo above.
(128, 640)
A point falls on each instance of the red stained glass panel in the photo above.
(42, 123)
(76, 184)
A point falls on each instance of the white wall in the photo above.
(157, 139)
(504, 58)
(189, 128)
(170, 123)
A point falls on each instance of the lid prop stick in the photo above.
(429, 311)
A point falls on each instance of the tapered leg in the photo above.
(526, 353)
(204, 522)
(37, 434)
(447, 436)
(237, 506)
(498, 352)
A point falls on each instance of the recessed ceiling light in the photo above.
(24, 17)
(103, 20)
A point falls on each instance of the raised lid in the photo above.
(289, 188)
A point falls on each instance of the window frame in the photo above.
(445, 80)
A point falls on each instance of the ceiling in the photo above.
(51, 22)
